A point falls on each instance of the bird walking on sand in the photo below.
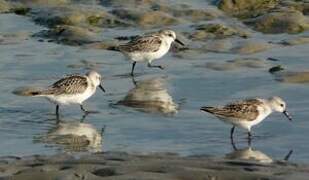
(148, 47)
(247, 113)
(72, 89)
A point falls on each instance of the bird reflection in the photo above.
(248, 153)
(150, 96)
(74, 136)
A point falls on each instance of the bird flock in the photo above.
(75, 89)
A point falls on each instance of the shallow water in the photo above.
(185, 85)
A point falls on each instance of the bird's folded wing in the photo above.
(242, 110)
(72, 84)
(149, 43)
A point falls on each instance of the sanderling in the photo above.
(148, 47)
(72, 89)
(247, 113)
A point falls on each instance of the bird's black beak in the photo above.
(287, 115)
(203, 108)
(101, 87)
(178, 41)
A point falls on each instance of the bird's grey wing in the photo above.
(72, 84)
(149, 43)
(242, 110)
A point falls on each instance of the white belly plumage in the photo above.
(148, 56)
(66, 99)
(245, 124)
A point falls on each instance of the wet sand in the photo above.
(123, 166)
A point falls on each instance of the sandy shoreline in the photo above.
(121, 165)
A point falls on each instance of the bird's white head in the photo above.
(277, 104)
(96, 79)
(169, 36)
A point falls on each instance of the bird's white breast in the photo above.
(66, 99)
(264, 111)
(150, 56)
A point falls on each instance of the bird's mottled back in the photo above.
(148, 43)
(241, 110)
(72, 84)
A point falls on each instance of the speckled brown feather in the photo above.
(149, 43)
(72, 84)
(241, 110)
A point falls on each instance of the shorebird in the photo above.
(247, 113)
(148, 47)
(72, 89)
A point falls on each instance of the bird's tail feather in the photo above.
(207, 109)
(29, 91)
(113, 48)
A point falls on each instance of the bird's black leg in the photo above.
(249, 138)
(103, 130)
(287, 157)
(134, 81)
(57, 111)
(232, 139)
(86, 111)
(83, 109)
(232, 132)
(83, 117)
(132, 70)
(153, 66)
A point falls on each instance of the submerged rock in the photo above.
(292, 77)
(219, 46)
(160, 14)
(13, 38)
(75, 16)
(71, 35)
(130, 3)
(246, 8)
(302, 6)
(251, 46)
(275, 69)
(13, 7)
(194, 15)
(187, 12)
(189, 54)
(238, 63)
(283, 21)
(44, 2)
(145, 18)
(4, 6)
(156, 19)
(295, 41)
(212, 30)
(269, 16)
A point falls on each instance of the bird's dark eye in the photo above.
(170, 35)
(282, 105)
